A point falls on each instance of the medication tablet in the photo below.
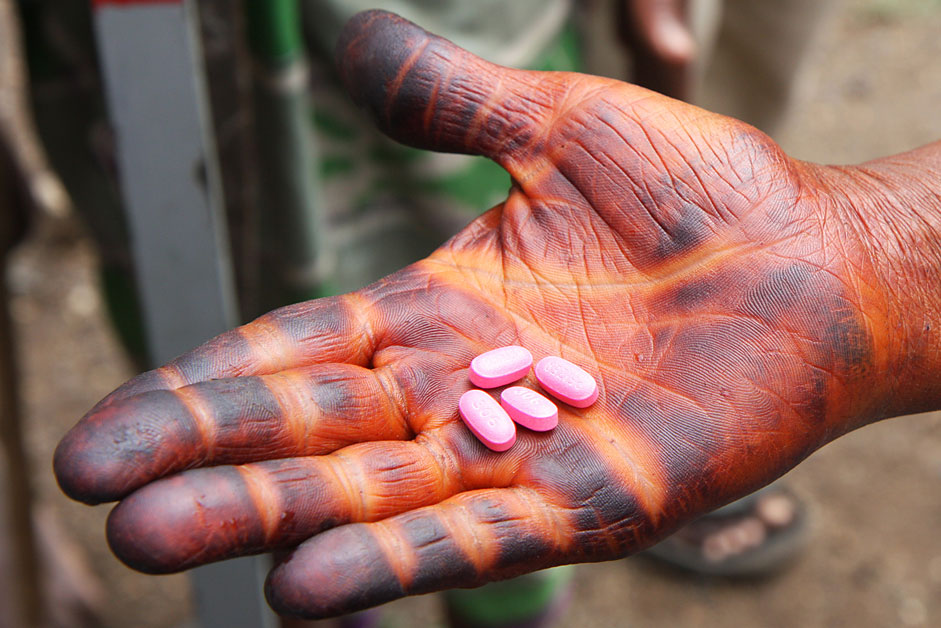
(529, 408)
(487, 420)
(566, 382)
(500, 366)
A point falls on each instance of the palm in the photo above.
(676, 255)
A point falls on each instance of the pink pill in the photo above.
(500, 366)
(487, 420)
(566, 382)
(529, 408)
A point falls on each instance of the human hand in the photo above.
(723, 295)
(661, 44)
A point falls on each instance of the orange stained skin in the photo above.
(720, 295)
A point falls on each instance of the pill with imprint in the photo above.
(487, 420)
(529, 408)
(500, 367)
(566, 381)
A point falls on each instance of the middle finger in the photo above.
(204, 515)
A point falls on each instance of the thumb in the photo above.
(425, 91)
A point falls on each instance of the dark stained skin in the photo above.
(738, 308)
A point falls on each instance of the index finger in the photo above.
(338, 329)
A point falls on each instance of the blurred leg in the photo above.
(760, 50)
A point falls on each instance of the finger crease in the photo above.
(201, 415)
(266, 498)
(402, 558)
(550, 518)
(350, 482)
(360, 310)
(461, 523)
(172, 376)
(299, 411)
(445, 461)
(395, 399)
(268, 345)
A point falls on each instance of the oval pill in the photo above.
(487, 420)
(529, 408)
(566, 382)
(499, 367)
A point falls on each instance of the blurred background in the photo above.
(870, 86)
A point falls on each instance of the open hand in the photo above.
(707, 281)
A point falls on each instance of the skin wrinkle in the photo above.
(395, 400)
(447, 76)
(444, 459)
(603, 526)
(515, 533)
(859, 226)
(470, 521)
(417, 562)
(530, 104)
(501, 235)
(622, 246)
(620, 240)
(635, 187)
(788, 404)
(362, 310)
(349, 479)
(199, 514)
(572, 97)
(202, 417)
(172, 376)
(489, 108)
(401, 559)
(636, 183)
(557, 527)
(632, 118)
(266, 498)
(845, 283)
(453, 517)
(395, 85)
(272, 351)
(647, 480)
(704, 189)
(529, 171)
(586, 334)
(643, 157)
(300, 413)
(570, 351)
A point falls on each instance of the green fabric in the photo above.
(274, 30)
(509, 601)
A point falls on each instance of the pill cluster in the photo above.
(492, 422)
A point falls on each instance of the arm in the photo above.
(894, 207)
(736, 307)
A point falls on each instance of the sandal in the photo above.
(757, 535)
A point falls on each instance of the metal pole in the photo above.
(155, 87)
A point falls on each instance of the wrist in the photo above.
(890, 213)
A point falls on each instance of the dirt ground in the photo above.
(875, 556)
